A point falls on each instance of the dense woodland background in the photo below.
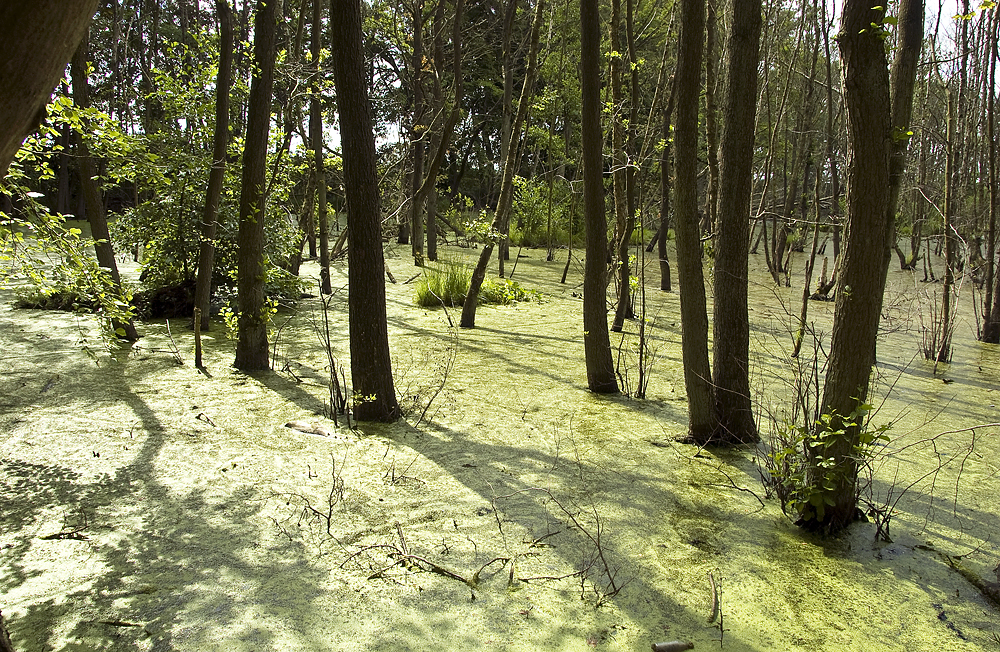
(226, 142)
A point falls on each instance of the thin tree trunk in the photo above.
(316, 136)
(991, 310)
(217, 175)
(501, 219)
(91, 193)
(711, 122)
(950, 188)
(251, 345)
(702, 421)
(418, 134)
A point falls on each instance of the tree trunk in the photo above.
(833, 494)
(991, 314)
(217, 175)
(251, 345)
(316, 136)
(731, 328)
(91, 193)
(371, 367)
(418, 132)
(711, 121)
(37, 39)
(904, 74)
(596, 341)
(501, 220)
(702, 420)
(666, 158)
(950, 189)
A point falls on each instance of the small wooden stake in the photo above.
(197, 338)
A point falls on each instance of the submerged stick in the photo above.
(715, 599)
(672, 646)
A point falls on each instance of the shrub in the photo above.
(502, 291)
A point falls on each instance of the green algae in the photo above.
(195, 496)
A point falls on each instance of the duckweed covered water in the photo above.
(149, 506)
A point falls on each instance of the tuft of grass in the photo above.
(448, 283)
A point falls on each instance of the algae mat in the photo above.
(149, 506)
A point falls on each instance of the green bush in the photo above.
(502, 291)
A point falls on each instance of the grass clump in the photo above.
(448, 284)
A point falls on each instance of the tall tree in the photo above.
(91, 193)
(216, 177)
(501, 219)
(37, 40)
(418, 132)
(832, 489)
(316, 136)
(910, 29)
(251, 345)
(371, 367)
(991, 299)
(731, 327)
(702, 420)
(596, 341)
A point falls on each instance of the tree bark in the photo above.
(316, 136)
(5, 644)
(596, 341)
(37, 39)
(903, 81)
(702, 420)
(711, 120)
(991, 300)
(251, 345)
(371, 367)
(418, 133)
(217, 175)
(856, 315)
(91, 193)
(731, 327)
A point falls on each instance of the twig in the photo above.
(715, 599)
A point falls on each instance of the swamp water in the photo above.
(149, 506)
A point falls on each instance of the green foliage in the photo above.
(805, 468)
(503, 291)
(37, 246)
(480, 228)
(530, 218)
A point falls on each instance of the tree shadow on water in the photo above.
(180, 567)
